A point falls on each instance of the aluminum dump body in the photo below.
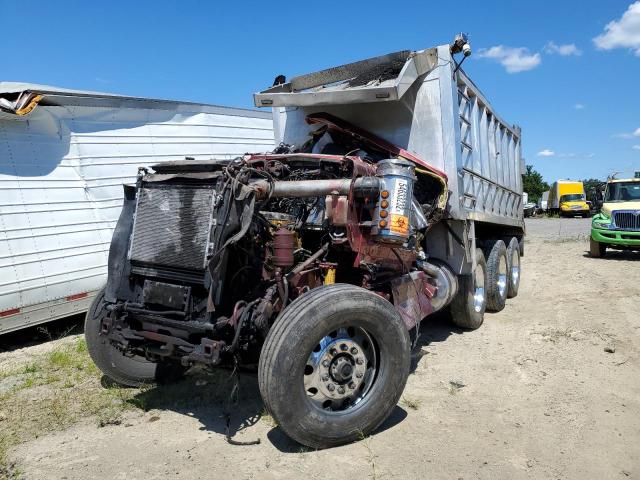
(416, 101)
(64, 156)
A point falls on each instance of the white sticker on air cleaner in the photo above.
(399, 197)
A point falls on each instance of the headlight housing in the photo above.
(601, 221)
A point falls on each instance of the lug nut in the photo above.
(325, 363)
(354, 351)
(341, 390)
(359, 361)
(344, 347)
(352, 385)
(325, 378)
(333, 351)
(331, 387)
(359, 375)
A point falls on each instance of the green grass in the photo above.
(53, 392)
(266, 417)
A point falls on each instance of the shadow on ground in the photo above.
(434, 329)
(31, 336)
(204, 395)
(624, 255)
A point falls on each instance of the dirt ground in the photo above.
(548, 388)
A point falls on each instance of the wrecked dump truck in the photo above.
(395, 192)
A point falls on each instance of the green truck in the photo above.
(617, 226)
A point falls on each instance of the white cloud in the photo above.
(513, 59)
(546, 153)
(636, 147)
(566, 155)
(623, 33)
(564, 50)
(627, 135)
(579, 106)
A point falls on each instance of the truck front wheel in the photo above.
(468, 306)
(127, 371)
(334, 365)
(597, 249)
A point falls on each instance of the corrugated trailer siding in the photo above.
(489, 158)
(61, 175)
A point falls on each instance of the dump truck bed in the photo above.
(416, 101)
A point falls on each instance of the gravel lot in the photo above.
(550, 228)
(547, 388)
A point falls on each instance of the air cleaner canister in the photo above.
(393, 212)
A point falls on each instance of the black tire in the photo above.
(287, 353)
(497, 275)
(514, 267)
(465, 311)
(125, 371)
(597, 249)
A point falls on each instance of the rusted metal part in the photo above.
(283, 246)
(208, 352)
(295, 275)
(237, 311)
(265, 159)
(160, 337)
(411, 297)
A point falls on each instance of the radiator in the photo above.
(172, 226)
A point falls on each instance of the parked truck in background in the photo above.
(567, 198)
(617, 225)
(395, 191)
(528, 207)
(544, 201)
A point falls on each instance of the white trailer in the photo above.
(544, 201)
(64, 156)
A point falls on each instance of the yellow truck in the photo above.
(617, 226)
(567, 198)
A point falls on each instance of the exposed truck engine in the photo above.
(316, 262)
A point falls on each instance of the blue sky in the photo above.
(575, 98)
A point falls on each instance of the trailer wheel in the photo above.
(468, 306)
(334, 365)
(597, 249)
(497, 275)
(126, 371)
(513, 255)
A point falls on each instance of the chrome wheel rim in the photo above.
(479, 293)
(341, 369)
(515, 269)
(502, 277)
